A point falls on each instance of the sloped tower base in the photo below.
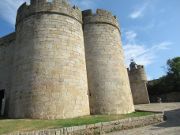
(49, 72)
(108, 82)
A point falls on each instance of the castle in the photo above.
(63, 63)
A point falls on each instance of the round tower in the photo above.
(141, 72)
(109, 89)
(138, 82)
(49, 71)
(137, 72)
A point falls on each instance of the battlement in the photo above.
(100, 12)
(61, 7)
(137, 73)
(35, 2)
(100, 16)
(136, 68)
(140, 67)
(7, 39)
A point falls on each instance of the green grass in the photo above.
(13, 125)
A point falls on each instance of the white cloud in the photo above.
(8, 9)
(139, 11)
(141, 53)
(164, 45)
(130, 35)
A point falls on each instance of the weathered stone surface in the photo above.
(49, 78)
(109, 89)
(43, 66)
(138, 83)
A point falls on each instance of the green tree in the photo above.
(173, 74)
(168, 83)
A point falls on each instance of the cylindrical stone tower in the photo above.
(138, 82)
(49, 72)
(109, 89)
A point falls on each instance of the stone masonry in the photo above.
(107, 76)
(43, 63)
(138, 82)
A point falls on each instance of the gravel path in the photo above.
(170, 127)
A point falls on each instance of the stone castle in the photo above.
(63, 63)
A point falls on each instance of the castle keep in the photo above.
(63, 63)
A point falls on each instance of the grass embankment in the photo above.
(13, 125)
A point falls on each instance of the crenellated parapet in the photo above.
(61, 7)
(137, 67)
(101, 16)
(137, 72)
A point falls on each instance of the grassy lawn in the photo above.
(13, 125)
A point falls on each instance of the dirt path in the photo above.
(170, 127)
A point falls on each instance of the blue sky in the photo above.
(150, 28)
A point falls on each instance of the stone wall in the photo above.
(49, 79)
(100, 128)
(138, 82)
(109, 89)
(6, 52)
(168, 97)
(43, 66)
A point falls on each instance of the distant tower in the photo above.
(109, 88)
(138, 81)
(49, 78)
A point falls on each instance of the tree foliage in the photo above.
(168, 83)
(173, 74)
